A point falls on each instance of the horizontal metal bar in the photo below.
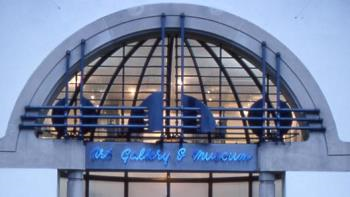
(111, 92)
(316, 111)
(147, 132)
(253, 137)
(31, 108)
(142, 99)
(157, 84)
(129, 66)
(33, 117)
(225, 85)
(159, 56)
(316, 119)
(182, 127)
(225, 101)
(182, 108)
(313, 128)
(228, 93)
(239, 179)
(213, 76)
(36, 125)
(132, 75)
(116, 84)
(177, 139)
(181, 117)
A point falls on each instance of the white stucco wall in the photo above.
(316, 184)
(315, 30)
(28, 182)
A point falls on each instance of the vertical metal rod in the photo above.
(278, 90)
(87, 183)
(66, 94)
(75, 100)
(168, 82)
(163, 51)
(250, 185)
(182, 27)
(163, 65)
(263, 62)
(210, 185)
(220, 94)
(176, 83)
(220, 81)
(268, 113)
(123, 86)
(168, 189)
(126, 184)
(126, 175)
(81, 66)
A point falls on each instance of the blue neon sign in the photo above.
(149, 154)
(100, 153)
(145, 155)
(171, 156)
(225, 156)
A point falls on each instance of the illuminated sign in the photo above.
(171, 156)
(99, 153)
(198, 155)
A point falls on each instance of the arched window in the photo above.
(174, 85)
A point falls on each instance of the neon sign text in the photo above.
(149, 154)
(99, 153)
(145, 154)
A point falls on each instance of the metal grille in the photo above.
(115, 85)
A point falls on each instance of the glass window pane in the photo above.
(105, 189)
(228, 189)
(189, 189)
(147, 190)
(255, 188)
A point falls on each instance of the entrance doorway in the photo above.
(170, 184)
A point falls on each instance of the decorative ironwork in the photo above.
(174, 87)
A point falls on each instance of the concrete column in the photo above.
(267, 184)
(75, 184)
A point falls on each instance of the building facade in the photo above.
(172, 97)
